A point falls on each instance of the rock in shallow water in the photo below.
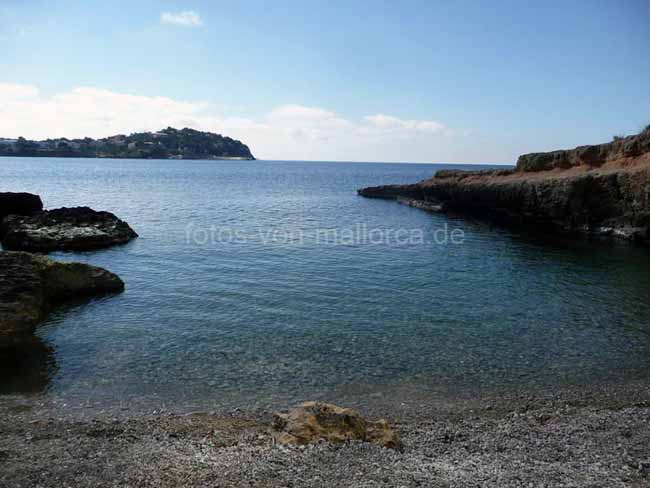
(30, 285)
(64, 229)
(313, 421)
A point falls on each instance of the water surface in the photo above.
(280, 313)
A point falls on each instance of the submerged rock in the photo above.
(27, 364)
(313, 421)
(19, 204)
(30, 285)
(66, 229)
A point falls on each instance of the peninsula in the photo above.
(168, 143)
(598, 190)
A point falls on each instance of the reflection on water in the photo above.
(27, 364)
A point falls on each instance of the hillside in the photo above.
(169, 143)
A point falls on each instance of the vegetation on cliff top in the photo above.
(169, 143)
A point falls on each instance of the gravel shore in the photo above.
(597, 437)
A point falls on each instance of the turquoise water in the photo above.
(263, 282)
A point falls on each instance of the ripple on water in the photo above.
(231, 322)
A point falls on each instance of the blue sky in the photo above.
(355, 80)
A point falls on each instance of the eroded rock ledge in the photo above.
(66, 229)
(30, 285)
(598, 190)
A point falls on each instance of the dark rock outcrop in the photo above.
(67, 229)
(19, 204)
(314, 421)
(31, 285)
(597, 190)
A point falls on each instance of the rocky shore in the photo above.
(25, 226)
(600, 190)
(595, 436)
(30, 287)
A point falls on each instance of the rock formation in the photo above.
(598, 190)
(621, 149)
(69, 229)
(30, 285)
(19, 204)
(313, 421)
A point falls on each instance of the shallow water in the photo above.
(262, 283)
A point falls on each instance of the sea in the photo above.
(258, 284)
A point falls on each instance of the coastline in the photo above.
(171, 158)
(598, 190)
(541, 439)
(550, 436)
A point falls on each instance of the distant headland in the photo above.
(168, 143)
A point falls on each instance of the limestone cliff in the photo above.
(602, 190)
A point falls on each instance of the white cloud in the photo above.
(12, 91)
(386, 122)
(308, 116)
(308, 123)
(286, 132)
(184, 18)
(86, 111)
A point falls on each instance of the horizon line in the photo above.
(338, 161)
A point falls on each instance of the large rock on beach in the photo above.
(311, 422)
(64, 229)
(19, 204)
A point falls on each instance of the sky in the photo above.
(403, 81)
